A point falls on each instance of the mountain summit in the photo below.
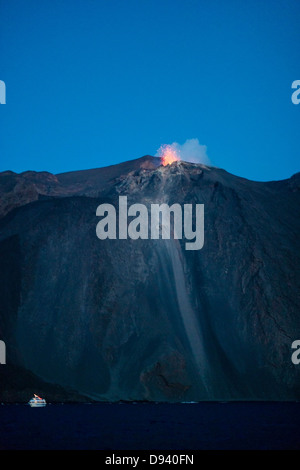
(146, 319)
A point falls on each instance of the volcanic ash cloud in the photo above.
(191, 151)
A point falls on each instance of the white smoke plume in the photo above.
(191, 151)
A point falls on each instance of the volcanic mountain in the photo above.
(146, 319)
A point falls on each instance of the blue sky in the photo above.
(92, 83)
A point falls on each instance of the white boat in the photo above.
(37, 401)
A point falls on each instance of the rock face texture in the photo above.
(147, 319)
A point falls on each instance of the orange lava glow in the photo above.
(168, 155)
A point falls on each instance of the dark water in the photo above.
(151, 426)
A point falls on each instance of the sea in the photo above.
(146, 426)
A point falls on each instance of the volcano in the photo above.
(145, 319)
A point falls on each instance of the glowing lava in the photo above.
(168, 155)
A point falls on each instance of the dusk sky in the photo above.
(91, 83)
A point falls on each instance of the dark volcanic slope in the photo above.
(146, 319)
(19, 189)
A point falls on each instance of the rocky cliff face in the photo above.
(146, 319)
